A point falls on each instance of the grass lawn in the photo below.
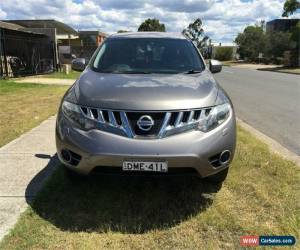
(228, 63)
(24, 106)
(260, 197)
(72, 75)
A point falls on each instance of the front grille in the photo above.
(157, 117)
(164, 123)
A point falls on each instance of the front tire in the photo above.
(218, 178)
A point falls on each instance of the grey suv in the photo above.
(146, 103)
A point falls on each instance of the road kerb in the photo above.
(274, 146)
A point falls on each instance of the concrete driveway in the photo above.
(25, 163)
(268, 101)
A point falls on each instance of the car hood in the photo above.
(146, 91)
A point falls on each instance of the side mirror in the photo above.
(215, 66)
(78, 64)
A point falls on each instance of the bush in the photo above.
(223, 53)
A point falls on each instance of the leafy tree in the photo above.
(152, 25)
(223, 53)
(290, 6)
(276, 43)
(295, 36)
(195, 32)
(273, 44)
(295, 45)
(123, 31)
(251, 42)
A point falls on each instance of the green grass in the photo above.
(24, 106)
(228, 63)
(260, 197)
(72, 75)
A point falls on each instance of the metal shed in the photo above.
(24, 52)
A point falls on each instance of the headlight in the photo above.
(75, 115)
(214, 118)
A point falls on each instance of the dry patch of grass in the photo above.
(24, 106)
(72, 75)
(260, 197)
(228, 63)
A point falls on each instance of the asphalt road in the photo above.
(268, 101)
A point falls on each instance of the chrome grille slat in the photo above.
(164, 125)
(178, 119)
(124, 127)
(90, 114)
(202, 114)
(191, 116)
(100, 116)
(112, 119)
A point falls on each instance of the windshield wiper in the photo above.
(192, 71)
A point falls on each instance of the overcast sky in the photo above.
(222, 19)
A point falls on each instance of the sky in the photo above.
(222, 19)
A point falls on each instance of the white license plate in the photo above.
(151, 166)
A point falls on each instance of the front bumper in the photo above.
(191, 149)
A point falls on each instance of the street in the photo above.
(268, 101)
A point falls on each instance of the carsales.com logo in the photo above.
(253, 240)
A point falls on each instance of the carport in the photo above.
(24, 53)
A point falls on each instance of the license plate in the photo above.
(150, 166)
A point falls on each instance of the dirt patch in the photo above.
(253, 66)
(52, 81)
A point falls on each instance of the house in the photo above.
(282, 24)
(292, 57)
(87, 42)
(92, 38)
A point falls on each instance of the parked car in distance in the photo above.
(146, 103)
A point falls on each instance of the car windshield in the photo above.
(146, 55)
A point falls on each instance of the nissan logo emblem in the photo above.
(145, 122)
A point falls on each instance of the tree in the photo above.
(277, 42)
(195, 32)
(295, 45)
(295, 34)
(152, 25)
(251, 42)
(272, 44)
(123, 31)
(290, 6)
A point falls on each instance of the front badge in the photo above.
(145, 123)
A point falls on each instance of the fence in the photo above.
(25, 53)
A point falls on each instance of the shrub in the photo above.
(223, 53)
